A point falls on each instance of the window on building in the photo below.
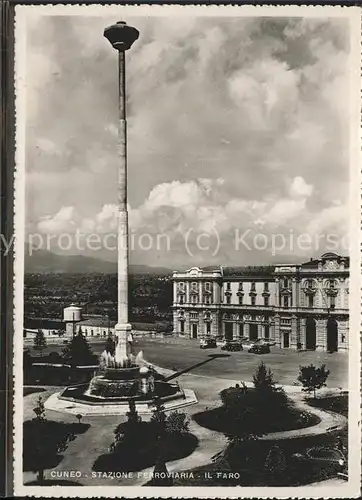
(286, 301)
(267, 331)
(240, 285)
(266, 287)
(207, 299)
(285, 321)
(194, 315)
(228, 285)
(241, 329)
(194, 285)
(332, 302)
(208, 286)
(253, 286)
(92, 333)
(240, 300)
(228, 299)
(194, 299)
(208, 328)
(253, 300)
(182, 326)
(266, 301)
(182, 285)
(310, 300)
(285, 282)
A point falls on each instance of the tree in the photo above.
(160, 475)
(39, 410)
(242, 411)
(78, 351)
(54, 357)
(313, 378)
(275, 462)
(264, 379)
(177, 423)
(165, 428)
(129, 430)
(39, 341)
(27, 360)
(40, 420)
(158, 417)
(110, 346)
(133, 420)
(132, 415)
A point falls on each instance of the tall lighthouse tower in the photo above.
(122, 36)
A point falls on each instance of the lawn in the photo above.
(143, 452)
(45, 441)
(292, 418)
(338, 404)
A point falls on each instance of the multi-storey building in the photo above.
(297, 306)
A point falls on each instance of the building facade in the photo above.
(296, 306)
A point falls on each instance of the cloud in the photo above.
(229, 120)
(61, 222)
(203, 207)
(300, 188)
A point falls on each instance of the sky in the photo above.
(237, 138)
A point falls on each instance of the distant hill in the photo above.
(43, 261)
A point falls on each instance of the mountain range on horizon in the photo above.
(44, 261)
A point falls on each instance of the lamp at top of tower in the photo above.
(121, 36)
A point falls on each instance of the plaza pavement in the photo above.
(180, 354)
(177, 354)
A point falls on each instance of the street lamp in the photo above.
(121, 36)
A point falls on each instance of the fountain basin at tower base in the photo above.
(81, 393)
(68, 404)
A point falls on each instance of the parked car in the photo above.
(232, 345)
(258, 342)
(207, 343)
(259, 349)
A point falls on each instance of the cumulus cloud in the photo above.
(203, 207)
(62, 221)
(242, 122)
(300, 188)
